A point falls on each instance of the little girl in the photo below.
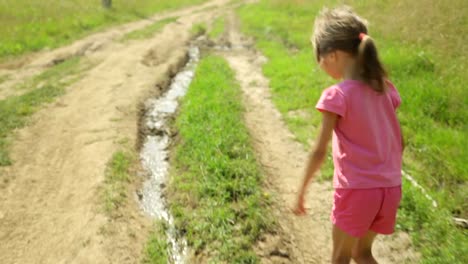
(359, 114)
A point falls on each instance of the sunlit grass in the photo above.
(215, 185)
(198, 29)
(157, 248)
(4, 78)
(117, 178)
(34, 25)
(218, 28)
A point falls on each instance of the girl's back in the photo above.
(367, 145)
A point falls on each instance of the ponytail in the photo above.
(370, 68)
(342, 29)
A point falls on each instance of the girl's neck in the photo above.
(350, 70)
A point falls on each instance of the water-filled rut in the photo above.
(154, 153)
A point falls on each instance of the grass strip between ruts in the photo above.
(216, 185)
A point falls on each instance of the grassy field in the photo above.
(215, 189)
(34, 25)
(429, 72)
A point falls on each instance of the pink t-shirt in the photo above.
(367, 147)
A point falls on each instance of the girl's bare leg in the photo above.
(362, 251)
(343, 245)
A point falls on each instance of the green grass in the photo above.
(431, 228)
(217, 199)
(33, 25)
(150, 30)
(14, 110)
(4, 78)
(117, 177)
(218, 28)
(429, 74)
(198, 29)
(156, 250)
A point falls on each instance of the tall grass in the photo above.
(215, 181)
(34, 25)
(429, 75)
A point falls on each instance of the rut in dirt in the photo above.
(154, 154)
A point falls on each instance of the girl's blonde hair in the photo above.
(342, 29)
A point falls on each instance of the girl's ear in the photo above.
(333, 56)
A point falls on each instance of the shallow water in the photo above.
(154, 154)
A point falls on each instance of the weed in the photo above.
(198, 29)
(157, 248)
(218, 28)
(118, 176)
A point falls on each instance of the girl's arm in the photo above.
(316, 158)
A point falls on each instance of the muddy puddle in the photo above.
(154, 153)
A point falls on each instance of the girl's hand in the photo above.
(300, 210)
(316, 158)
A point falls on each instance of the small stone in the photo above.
(140, 195)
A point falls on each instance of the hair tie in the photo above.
(362, 36)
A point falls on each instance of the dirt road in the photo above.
(49, 198)
(49, 202)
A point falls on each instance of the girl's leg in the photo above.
(362, 250)
(342, 246)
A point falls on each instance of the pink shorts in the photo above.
(355, 211)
